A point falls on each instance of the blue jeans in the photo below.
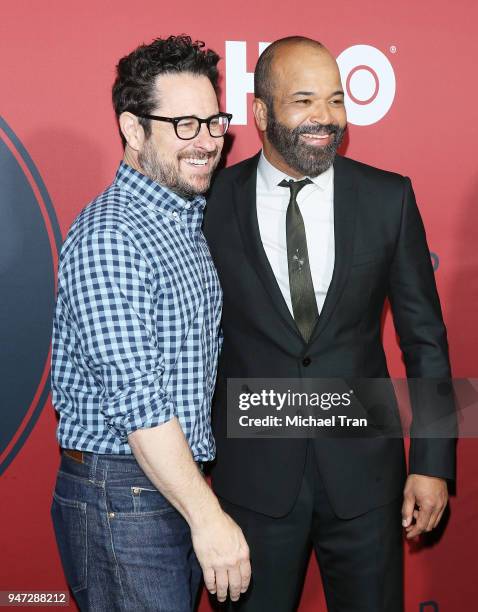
(122, 545)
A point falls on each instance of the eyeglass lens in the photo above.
(189, 127)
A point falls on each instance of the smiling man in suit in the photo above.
(308, 246)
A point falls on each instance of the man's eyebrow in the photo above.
(303, 93)
(339, 92)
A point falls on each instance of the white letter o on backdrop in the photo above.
(369, 83)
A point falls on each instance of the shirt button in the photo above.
(306, 361)
(187, 206)
(175, 215)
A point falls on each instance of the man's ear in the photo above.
(132, 130)
(259, 109)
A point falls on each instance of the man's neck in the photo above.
(131, 158)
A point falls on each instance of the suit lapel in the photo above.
(345, 209)
(246, 212)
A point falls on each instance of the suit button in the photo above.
(306, 361)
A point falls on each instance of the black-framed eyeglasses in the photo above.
(188, 127)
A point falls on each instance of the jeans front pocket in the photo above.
(70, 524)
(150, 500)
(135, 495)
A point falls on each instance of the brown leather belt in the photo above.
(78, 456)
(74, 454)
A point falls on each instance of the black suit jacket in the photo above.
(380, 252)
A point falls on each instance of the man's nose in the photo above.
(204, 140)
(322, 114)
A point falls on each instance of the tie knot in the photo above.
(294, 186)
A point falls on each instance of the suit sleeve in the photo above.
(422, 335)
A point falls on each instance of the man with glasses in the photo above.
(135, 347)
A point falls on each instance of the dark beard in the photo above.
(167, 174)
(306, 159)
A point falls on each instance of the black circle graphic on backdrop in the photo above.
(30, 240)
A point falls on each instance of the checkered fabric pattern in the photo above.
(136, 328)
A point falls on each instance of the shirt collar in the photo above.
(152, 193)
(272, 176)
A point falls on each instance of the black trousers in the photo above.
(360, 559)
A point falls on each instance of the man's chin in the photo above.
(195, 186)
(313, 168)
(201, 180)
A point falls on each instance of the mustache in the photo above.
(318, 128)
(199, 154)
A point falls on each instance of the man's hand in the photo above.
(430, 496)
(223, 554)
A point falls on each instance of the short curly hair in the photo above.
(134, 86)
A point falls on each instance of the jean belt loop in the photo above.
(93, 465)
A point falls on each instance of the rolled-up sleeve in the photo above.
(114, 302)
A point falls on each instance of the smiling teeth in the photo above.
(316, 135)
(197, 162)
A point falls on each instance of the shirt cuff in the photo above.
(123, 426)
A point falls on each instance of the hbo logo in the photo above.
(367, 76)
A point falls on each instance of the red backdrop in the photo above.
(56, 70)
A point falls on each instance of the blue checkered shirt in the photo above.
(136, 328)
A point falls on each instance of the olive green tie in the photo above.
(302, 295)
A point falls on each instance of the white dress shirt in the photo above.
(316, 204)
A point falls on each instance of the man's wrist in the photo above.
(428, 476)
(204, 513)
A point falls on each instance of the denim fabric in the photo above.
(122, 545)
